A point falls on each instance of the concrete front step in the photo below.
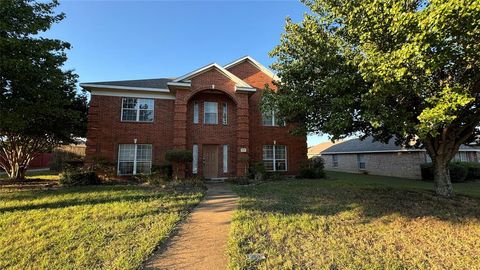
(216, 180)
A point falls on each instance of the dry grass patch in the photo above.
(340, 224)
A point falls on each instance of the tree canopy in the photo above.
(405, 69)
(39, 104)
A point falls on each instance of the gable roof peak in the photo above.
(254, 63)
(239, 82)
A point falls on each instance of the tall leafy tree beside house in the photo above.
(408, 69)
(39, 104)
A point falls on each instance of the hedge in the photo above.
(459, 171)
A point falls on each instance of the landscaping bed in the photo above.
(353, 221)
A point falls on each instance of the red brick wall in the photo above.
(106, 131)
(173, 123)
(263, 135)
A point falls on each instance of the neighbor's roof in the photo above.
(317, 149)
(369, 146)
(160, 83)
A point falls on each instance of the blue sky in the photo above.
(122, 40)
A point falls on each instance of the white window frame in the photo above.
(196, 112)
(137, 117)
(205, 112)
(274, 158)
(134, 158)
(225, 158)
(195, 159)
(361, 161)
(274, 121)
(225, 114)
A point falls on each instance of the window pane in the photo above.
(225, 158)
(144, 167)
(210, 118)
(195, 159)
(280, 165)
(280, 152)
(129, 103)
(125, 168)
(145, 104)
(268, 152)
(126, 152)
(267, 118)
(146, 116)
(268, 165)
(144, 152)
(225, 114)
(195, 112)
(211, 113)
(129, 115)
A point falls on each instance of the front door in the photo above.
(210, 161)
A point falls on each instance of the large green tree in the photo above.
(39, 104)
(386, 68)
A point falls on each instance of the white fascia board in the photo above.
(256, 64)
(89, 85)
(245, 89)
(179, 84)
(228, 74)
(135, 94)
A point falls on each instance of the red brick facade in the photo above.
(173, 126)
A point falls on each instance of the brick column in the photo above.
(180, 127)
(242, 133)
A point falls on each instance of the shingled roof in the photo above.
(370, 146)
(160, 83)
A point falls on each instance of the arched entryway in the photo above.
(212, 133)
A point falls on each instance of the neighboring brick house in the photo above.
(213, 111)
(367, 156)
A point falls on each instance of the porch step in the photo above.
(216, 180)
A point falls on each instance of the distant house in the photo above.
(384, 159)
(316, 150)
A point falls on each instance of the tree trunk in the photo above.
(443, 185)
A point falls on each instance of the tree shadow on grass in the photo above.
(69, 197)
(373, 203)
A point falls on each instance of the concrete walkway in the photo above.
(201, 241)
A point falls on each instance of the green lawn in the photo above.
(96, 227)
(352, 221)
(40, 175)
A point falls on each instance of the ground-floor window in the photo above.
(225, 158)
(195, 159)
(334, 160)
(361, 161)
(134, 159)
(275, 157)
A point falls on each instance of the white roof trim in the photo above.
(391, 151)
(255, 63)
(135, 94)
(91, 85)
(225, 72)
(245, 89)
(181, 84)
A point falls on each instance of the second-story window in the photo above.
(137, 109)
(195, 112)
(210, 113)
(270, 118)
(225, 114)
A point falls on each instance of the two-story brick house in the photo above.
(213, 111)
